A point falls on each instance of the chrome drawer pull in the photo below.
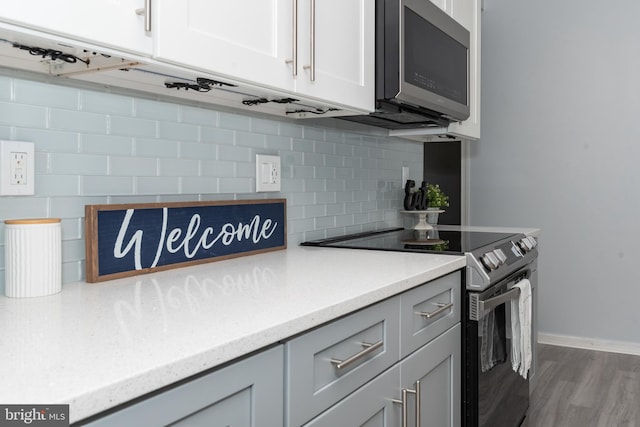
(443, 307)
(403, 402)
(369, 348)
(146, 12)
(294, 61)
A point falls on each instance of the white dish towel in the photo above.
(521, 329)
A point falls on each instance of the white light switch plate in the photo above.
(267, 173)
(17, 166)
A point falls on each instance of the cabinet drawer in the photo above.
(248, 393)
(429, 310)
(315, 379)
(371, 406)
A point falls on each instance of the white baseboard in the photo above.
(590, 343)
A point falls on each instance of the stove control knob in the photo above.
(527, 243)
(522, 246)
(490, 261)
(533, 241)
(502, 258)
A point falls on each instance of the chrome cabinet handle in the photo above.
(294, 61)
(369, 348)
(146, 11)
(418, 406)
(403, 402)
(443, 307)
(312, 66)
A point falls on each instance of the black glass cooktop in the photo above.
(432, 241)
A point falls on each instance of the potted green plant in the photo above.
(436, 201)
(436, 197)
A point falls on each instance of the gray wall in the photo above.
(94, 147)
(559, 151)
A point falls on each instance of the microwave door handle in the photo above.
(491, 303)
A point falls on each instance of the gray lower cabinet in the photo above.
(248, 393)
(425, 385)
(335, 377)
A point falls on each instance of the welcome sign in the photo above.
(130, 239)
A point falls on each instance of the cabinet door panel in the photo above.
(438, 368)
(418, 329)
(248, 393)
(246, 40)
(344, 46)
(468, 13)
(314, 383)
(371, 406)
(105, 22)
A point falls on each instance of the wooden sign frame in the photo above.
(125, 240)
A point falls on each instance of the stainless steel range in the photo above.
(495, 395)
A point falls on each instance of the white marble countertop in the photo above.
(94, 346)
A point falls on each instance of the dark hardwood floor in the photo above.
(585, 388)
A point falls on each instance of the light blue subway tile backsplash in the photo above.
(20, 115)
(179, 167)
(27, 92)
(124, 166)
(146, 109)
(129, 126)
(57, 185)
(106, 103)
(49, 141)
(5, 88)
(92, 185)
(157, 185)
(106, 144)
(77, 121)
(178, 131)
(97, 147)
(78, 164)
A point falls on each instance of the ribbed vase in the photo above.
(33, 257)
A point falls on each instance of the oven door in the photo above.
(495, 395)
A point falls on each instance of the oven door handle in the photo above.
(492, 303)
(479, 306)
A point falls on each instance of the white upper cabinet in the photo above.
(107, 22)
(248, 40)
(336, 42)
(320, 53)
(468, 13)
(321, 49)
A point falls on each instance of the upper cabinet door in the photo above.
(336, 41)
(468, 13)
(105, 22)
(250, 40)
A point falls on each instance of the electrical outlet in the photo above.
(17, 167)
(267, 173)
(405, 175)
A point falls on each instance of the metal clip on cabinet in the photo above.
(396, 363)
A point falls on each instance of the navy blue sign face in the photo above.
(143, 238)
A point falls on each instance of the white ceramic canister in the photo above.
(33, 257)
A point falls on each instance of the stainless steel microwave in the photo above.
(422, 67)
